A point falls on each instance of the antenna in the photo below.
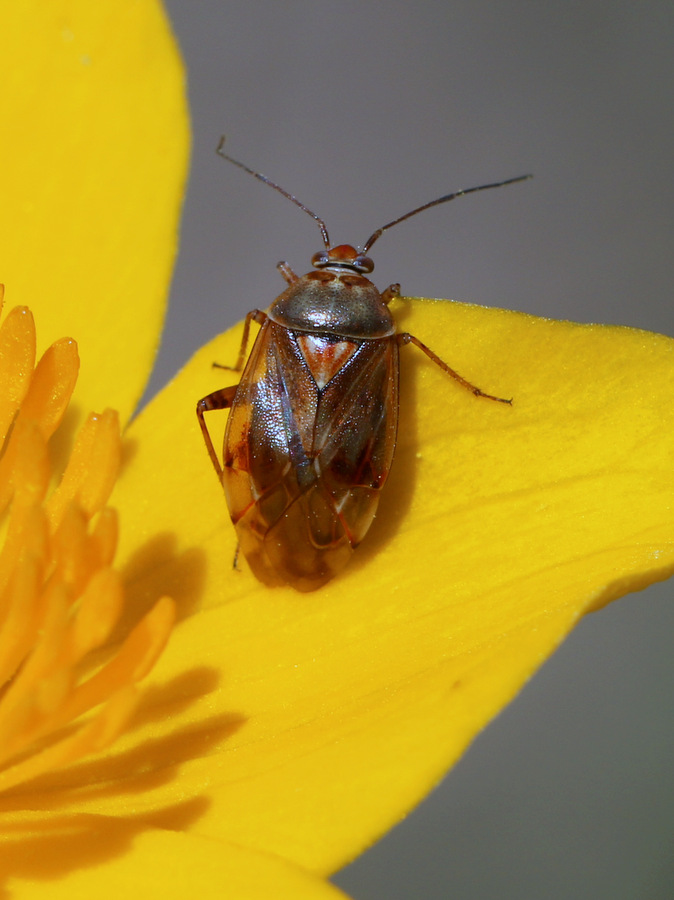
(277, 187)
(482, 187)
(378, 233)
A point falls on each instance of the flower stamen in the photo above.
(64, 692)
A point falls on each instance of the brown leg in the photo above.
(406, 338)
(287, 272)
(390, 293)
(254, 315)
(221, 399)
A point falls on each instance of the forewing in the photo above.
(270, 428)
(355, 432)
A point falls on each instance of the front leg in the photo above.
(392, 292)
(255, 315)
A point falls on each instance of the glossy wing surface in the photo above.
(270, 428)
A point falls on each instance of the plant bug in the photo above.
(312, 424)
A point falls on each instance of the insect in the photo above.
(312, 424)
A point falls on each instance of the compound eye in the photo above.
(320, 259)
(363, 263)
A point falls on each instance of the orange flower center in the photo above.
(63, 692)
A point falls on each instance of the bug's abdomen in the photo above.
(309, 443)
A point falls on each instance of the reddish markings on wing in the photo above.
(325, 356)
(365, 464)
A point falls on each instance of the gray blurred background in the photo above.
(365, 110)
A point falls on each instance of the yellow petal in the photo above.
(92, 165)
(107, 859)
(305, 725)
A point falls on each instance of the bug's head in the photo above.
(342, 257)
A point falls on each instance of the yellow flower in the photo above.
(280, 733)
